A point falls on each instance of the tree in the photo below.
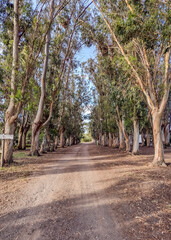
(152, 51)
(10, 115)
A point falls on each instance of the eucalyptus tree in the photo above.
(38, 119)
(125, 98)
(144, 26)
(25, 43)
(10, 115)
(68, 18)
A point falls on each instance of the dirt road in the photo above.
(65, 201)
(76, 193)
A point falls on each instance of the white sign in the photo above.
(5, 136)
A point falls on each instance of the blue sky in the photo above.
(85, 52)
(82, 56)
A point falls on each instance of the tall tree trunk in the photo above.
(121, 138)
(103, 140)
(136, 137)
(110, 140)
(122, 132)
(38, 119)
(21, 130)
(48, 141)
(142, 139)
(56, 142)
(10, 115)
(20, 137)
(62, 142)
(100, 138)
(158, 143)
(148, 88)
(71, 140)
(166, 135)
(24, 138)
(128, 147)
(44, 142)
(8, 149)
(115, 141)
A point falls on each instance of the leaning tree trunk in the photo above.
(136, 137)
(158, 143)
(10, 115)
(128, 147)
(37, 123)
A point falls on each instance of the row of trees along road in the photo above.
(132, 72)
(41, 91)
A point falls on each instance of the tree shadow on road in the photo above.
(128, 209)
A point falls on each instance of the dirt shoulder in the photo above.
(85, 192)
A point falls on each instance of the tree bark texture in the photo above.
(56, 142)
(115, 143)
(128, 147)
(37, 123)
(24, 138)
(158, 143)
(121, 138)
(62, 141)
(10, 115)
(136, 137)
(110, 140)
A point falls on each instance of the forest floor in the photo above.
(85, 192)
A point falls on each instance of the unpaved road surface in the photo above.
(66, 201)
(81, 193)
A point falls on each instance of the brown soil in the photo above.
(85, 192)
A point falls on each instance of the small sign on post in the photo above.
(4, 137)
